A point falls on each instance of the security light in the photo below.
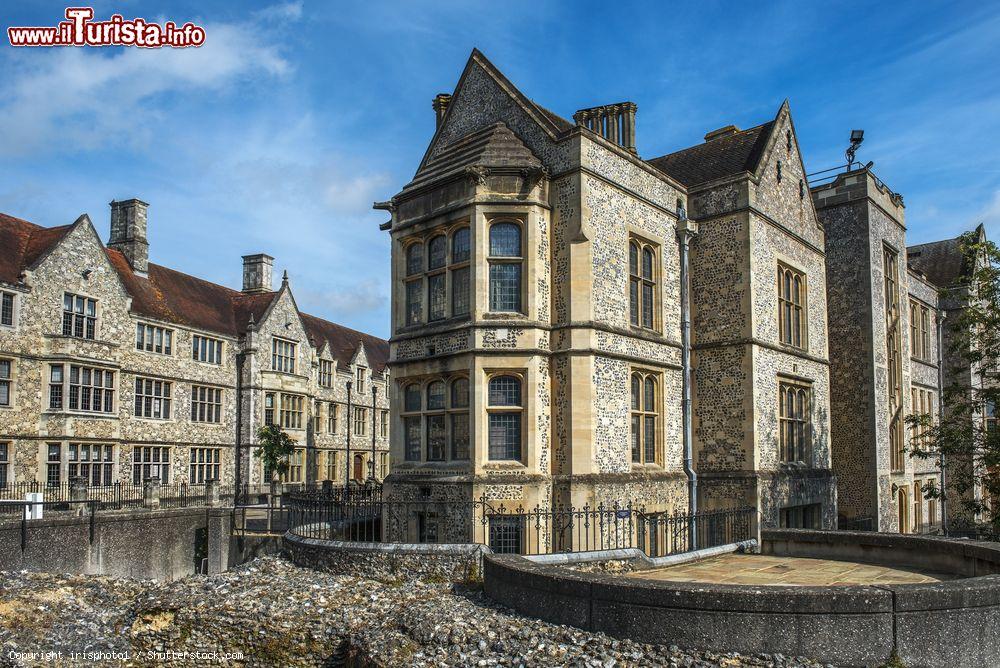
(857, 136)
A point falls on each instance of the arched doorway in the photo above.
(359, 468)
(903, 510)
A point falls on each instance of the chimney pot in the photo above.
(257, 270)
(440, 104)
(129, 220)
(614, 122)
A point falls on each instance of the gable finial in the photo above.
(284, 278)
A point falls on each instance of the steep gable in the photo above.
(22, 244)
(343, 342)
(483, 97)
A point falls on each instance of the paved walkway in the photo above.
(756, 569)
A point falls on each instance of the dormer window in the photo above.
(282, 355)
(360, 375)
(7, 309)
(79, 316)
(325, 373)
(154, 339)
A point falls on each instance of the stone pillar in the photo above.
(151, 493)
(212, 492)
(612, 114)
(78, 492)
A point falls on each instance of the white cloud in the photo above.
(85, 98)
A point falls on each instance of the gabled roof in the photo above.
(23, 243)
(493, 146)
(343, 342)
(717, 158)
(942, 262)
(179, 298)
(553, 124)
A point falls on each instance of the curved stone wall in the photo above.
(385, 560)
(954, 623)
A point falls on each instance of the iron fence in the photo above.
(663, 534)
(514, 530)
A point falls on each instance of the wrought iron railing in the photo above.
(537, 530)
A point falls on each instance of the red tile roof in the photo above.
(173, 296)
(22, 243)
(344, 342)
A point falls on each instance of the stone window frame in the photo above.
(165, 335)
(519, 260)
(795, 282)
(639, 413)
(894, 354)
(332, 467)
(383, 423)
(206, 349)
(88, 322)
(991, 416)
(65, 389)
(932, 509)
(165, 398)
(498, 409)
(295, 473)
(360, 419)
(145, 458)
(208, 397)
(5, 451)
(9, 305)
(637, 277)
(204, 464)
(283, 355)
(921, 403)
(327, 372)
(903, 509)
(289, 407)
(799, 426)
(332, 413)
(448, 411)
(99, 472)
(359, 379)
(417, 280)
(917, 518)
(7, 382)
(920, 335)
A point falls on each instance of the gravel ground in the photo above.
(271, 613)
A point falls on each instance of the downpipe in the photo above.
(686, 230)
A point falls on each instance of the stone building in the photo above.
(885, 357)
(118, 369)
(538, 334)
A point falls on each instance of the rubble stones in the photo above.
(276, 614)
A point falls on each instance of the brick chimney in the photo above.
(614, 122)
(257, 271)
(721, 132)
(440, 104)
(128, 232)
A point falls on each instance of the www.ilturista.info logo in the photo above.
(80, 30)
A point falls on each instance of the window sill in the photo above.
(792, 347)
(80, 414)
(504, 465)
(102, 342)
(504, 315)
(648, 331)
(151, 419)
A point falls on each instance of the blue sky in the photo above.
(280, 132)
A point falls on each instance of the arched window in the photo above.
(791, 306)
(412, 423)
(642, 264)
(414, 284)
(505, 415)
(645, 415)
(459, 418)
(793, 421)
(505, 263)
(460, 272)
(437, 252)
(435, 418)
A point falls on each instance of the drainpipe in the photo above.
(686, 230)
(941, 315)
(240, 360)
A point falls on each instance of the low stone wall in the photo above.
(386, 561)
(156, 544)
(954, 623)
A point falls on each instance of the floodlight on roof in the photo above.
(857, 136)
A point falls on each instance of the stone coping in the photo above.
(387, 548)
(65, 518)
(954, 622)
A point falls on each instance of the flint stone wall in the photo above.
(386, 561)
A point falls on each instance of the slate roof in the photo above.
(173, 296)
(343, 341)
(942, 262)
(493, 146)
(718, 158)
(22, 244)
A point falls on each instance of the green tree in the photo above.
(274, 447)
(966, 435)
